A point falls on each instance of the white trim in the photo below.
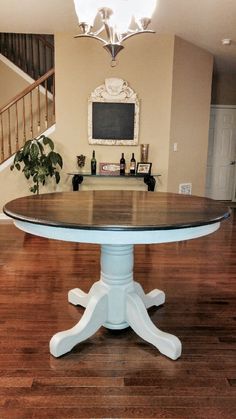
(9, 161)
(24, 75)
(4, 217)
(16, 69)
(116, 237)
(48, 131)
(223, 106)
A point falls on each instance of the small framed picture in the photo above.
(109, 169)
(143, 168)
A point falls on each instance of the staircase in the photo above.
(31, 111)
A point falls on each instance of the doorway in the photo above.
(221, 173)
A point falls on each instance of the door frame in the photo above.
(212, 107)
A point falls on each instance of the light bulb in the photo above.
(121, 18)
(105, 4)
(86, 11)
(143, 8)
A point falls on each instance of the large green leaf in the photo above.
(26, 148)
(48, 141)
(53, 157)
(40, 147)
(57, 176)
(18, 156)
(34, 151)
(26, 173)
(59, 160)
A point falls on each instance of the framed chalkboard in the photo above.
(113, 114)
(113, 121)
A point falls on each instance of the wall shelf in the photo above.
(149, 179)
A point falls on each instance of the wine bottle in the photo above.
(122, 165)
(93, 164)
(132, 168)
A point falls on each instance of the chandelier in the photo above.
(118, 20)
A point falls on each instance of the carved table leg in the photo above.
(141, 323)
(78, 297)
(153, 298)
(92, 319)
(116, 302)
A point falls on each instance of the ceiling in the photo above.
(202, 22)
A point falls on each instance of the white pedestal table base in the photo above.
(116, 302)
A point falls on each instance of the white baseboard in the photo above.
(4, 217)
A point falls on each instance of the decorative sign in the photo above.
(111, 169)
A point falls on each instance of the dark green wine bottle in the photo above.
(122, 165)
(93, 164)
(132, 168)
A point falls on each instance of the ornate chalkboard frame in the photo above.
(114, 91)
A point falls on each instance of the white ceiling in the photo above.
(202, 22)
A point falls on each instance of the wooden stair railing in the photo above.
(34, 54)
(27, 115)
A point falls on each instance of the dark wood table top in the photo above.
(117, 210)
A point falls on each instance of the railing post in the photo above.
(17, 127)
(32, 110)
(2, 140)
(9, 132)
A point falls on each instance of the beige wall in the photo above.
(224, 89)
(150, 64)
(10, 84)
(82, 65)
(189, 116)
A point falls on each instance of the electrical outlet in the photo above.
(185, 188)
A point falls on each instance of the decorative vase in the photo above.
(81, 161)
(144, 153)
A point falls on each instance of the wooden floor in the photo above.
(115, 374)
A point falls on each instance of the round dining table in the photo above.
(116, 220)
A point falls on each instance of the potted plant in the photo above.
(39, 161)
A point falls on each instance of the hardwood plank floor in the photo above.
(115, 374)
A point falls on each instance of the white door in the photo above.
(220, 180)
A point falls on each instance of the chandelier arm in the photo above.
(98, 31)
(137, 33)
(84, 35)
(109, 32)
